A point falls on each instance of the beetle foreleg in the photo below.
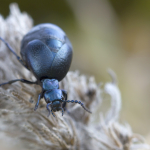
(65, 94)
(64, 108)
(62, 111)
(47, 106)
(37, 104)
(52, 113)
(64, 105)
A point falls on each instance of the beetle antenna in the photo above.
(79, 102)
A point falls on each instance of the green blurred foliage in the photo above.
(42, 11)
(105, 34)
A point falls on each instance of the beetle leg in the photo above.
(64, 105)
(10, 48)
(62, 111)
(37, 104)
(21, 80)
(47, 106)
(52, 113)
(65, 94)
(64, 108)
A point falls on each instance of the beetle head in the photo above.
(56, 106)
(54, 99)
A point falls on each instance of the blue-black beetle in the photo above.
(47, 53)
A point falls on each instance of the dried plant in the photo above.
(23, 128)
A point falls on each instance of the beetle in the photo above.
(47, 52)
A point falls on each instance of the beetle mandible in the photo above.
(47, 52)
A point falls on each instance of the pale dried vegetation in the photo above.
(22, 128)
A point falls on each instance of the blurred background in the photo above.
(105, 34)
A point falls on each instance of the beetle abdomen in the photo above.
(47, 52)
